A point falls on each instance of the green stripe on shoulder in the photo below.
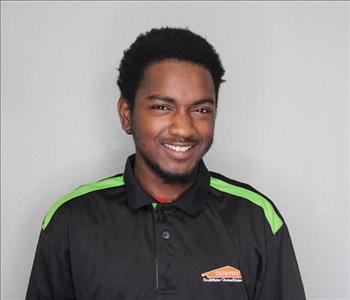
(272, 217)
(82, 190)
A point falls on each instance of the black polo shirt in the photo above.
(110, 240)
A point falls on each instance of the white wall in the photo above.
(282, 125)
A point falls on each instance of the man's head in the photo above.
(161, 44)
(169, 81)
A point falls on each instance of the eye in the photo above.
(160, 107)
(203, 110)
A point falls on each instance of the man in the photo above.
(166, 228)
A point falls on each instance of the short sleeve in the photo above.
(280, 279)
(51, 272)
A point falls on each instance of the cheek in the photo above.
(206, 129)
(147, 129)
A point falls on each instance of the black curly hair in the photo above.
(166, 43)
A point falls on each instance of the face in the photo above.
(172, 122)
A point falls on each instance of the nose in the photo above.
(182, 125)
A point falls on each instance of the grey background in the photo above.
(282, 124)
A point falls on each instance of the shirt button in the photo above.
(165, 234)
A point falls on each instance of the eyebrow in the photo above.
(172, 100)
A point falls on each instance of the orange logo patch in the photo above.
(223, 274)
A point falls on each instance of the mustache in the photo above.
(181, 140)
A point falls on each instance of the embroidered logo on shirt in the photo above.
(223, 274)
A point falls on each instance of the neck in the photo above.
(154, 185)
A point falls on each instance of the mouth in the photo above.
(178, 148)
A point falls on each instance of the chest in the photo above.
(160, 254)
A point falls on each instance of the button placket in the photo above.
(166, 253)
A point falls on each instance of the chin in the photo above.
(172, 174)
(178, 170)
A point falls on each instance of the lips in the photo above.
(178, 148)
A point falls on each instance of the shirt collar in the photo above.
(191, 202)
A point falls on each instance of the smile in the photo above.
(177, 148)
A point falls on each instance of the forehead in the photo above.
(177, 79)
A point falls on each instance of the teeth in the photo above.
(178, 148)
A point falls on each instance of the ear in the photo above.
(125, 115)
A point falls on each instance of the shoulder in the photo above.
(84, 191)
(246, 193)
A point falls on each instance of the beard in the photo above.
(171, 178)
(174, 178)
